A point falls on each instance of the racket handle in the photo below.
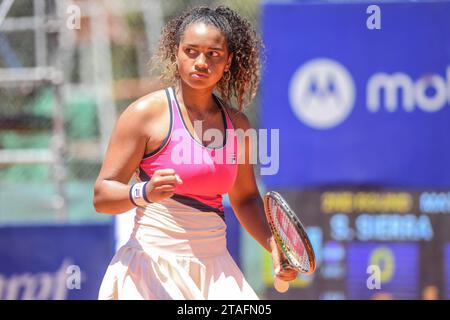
(280, 285)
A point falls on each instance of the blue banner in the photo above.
(54, 262)
(361, 97)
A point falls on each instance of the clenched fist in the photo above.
(162, 185)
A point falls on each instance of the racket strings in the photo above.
(292, 244)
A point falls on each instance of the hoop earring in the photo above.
(226, 76)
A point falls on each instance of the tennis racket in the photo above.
(290, 236)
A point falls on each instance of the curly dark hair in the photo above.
(242, 40)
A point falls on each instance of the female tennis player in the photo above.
(177, 249)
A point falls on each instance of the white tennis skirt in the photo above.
(175, 252)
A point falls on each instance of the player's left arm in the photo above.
(246, 200)
(244, 196)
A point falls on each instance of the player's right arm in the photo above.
(127, 146)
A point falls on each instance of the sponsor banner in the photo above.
(54, 262)
(356, 105)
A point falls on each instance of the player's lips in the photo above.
(199, 75)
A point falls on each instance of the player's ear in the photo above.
(230, 59)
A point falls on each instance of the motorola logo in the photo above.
(322, 93)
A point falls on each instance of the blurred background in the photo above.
(359, 92)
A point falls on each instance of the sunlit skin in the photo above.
(202, 59)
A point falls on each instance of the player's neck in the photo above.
(200, 100)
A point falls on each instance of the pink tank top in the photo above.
(207, 173)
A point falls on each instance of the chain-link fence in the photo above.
(103, 53)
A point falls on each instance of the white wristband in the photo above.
(138, 195)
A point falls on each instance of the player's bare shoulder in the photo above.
(155, 115)
(149, 106)
(148, 118)
(145, 112)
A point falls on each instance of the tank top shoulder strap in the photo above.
(225, 112)
(177, 120)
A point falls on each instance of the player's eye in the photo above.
(190, 51)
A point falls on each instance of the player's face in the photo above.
(202, 56)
